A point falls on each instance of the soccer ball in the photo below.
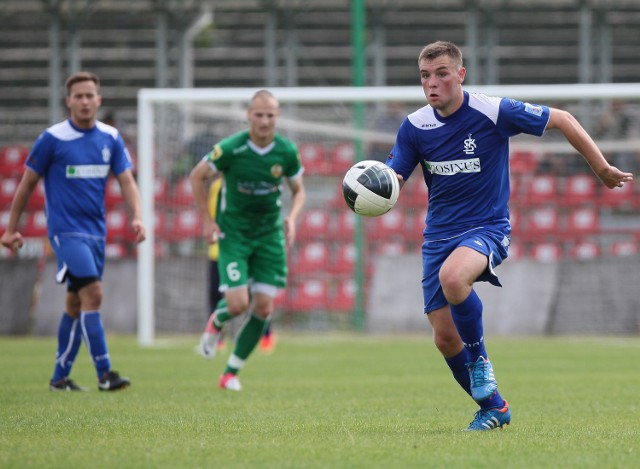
(370, 188)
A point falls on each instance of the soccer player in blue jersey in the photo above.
(75, 158)
(461, 142)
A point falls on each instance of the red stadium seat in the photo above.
(620, 197)
(546, 252)
(624, 248)
(579, 189)
(308, 295)
(516, 251)
(8, 187)
(417, 224)
(187, 224)
(414, 193)
(36, 225)
(315, 223)
(182, 194)
(523, 162)
(344, 297)
(341, 158)
(541, 222)
(540, 189)
(390, 226)
(4, 220)
(585, 250)
(12, 159)
(389, 248)
(584, 220)
(160, 191)
(113, 193)
(37, 199)
(160, 225)
(117, 226)
(344, 259)
(344, 227)
(310, 257)
(313, 158)
(115, 251)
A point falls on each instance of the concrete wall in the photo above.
(521, 307)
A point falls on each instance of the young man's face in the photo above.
(262, 115)
(83, 103)
(442, 83)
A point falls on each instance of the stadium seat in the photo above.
(344, 259)
(310, 258)
(414, 193)
(182, 194)
(8, 187)
(390, 226)
(341, 158)
(117, 226)
(540, 189)
(37, 199)
(115, 251)
(4, 220)
(12, 159)
(584, 250)
(160, 228)
(315, 223)
(416, 224)
(345, 224)
(160, 190)
(623, 248)
(620, 197)
(308, 295)
(186, 224)
(522, 162)
(313, 158)
(516, 251)
(113, 194)
(582, 221)
(541, 222)
(579, 189)
(389, 248)
(546, 252)
(343, 298)
(35, 225)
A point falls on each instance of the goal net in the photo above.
(560, 213)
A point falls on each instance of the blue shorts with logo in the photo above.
(492, 242)
(79, 256)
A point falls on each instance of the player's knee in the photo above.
(447, 342)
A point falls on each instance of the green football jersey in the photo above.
(250, 200)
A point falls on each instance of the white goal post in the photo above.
(150, 120)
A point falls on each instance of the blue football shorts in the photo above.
(80, 258)
(492, 242)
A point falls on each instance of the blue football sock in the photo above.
(458, 366)
(467, 316)
(494, 401)
(69, 339)
(96, 341)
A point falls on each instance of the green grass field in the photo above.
(339, 401)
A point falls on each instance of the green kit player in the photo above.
(249, 227)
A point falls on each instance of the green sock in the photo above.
(221, 314)
(248, 338)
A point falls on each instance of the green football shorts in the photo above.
(259, 260)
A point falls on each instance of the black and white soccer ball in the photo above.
(370, 188)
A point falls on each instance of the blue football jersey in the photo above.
(75, 164)
(465, 159)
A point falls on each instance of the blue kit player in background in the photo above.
(461, 141)
(75, 158)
